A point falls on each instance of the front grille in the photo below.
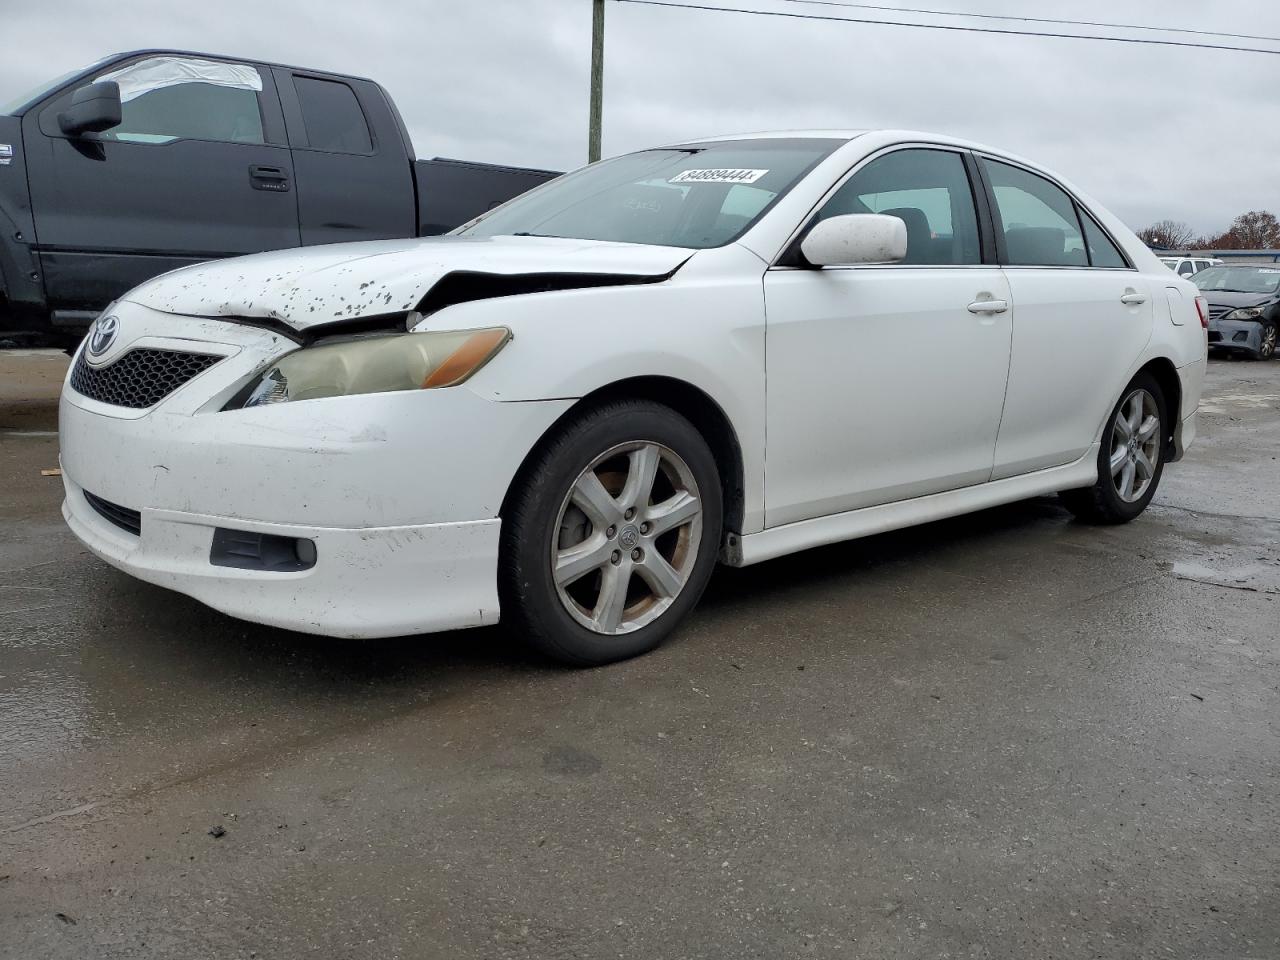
(122, 517)
(140, 378)
(1217, 313)
(1214, 336)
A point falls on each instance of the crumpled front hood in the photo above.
(1225, 298)
(312, 286)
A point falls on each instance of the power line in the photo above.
(947, 26)
(997, 16)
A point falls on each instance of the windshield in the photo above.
(1239, 279)
(11, 107)
(702, 195)
(1171, 264)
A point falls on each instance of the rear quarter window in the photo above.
(332, 116)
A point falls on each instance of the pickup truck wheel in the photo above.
(1130, 458)
(612, 534)
(1267, 341)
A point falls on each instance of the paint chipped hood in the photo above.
(313, 286)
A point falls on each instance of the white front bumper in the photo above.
(374, 582)
(399, 491)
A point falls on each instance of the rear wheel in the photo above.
(1130, 461)
(612, 535)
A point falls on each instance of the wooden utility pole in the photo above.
(597, 80)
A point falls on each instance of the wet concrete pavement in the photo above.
(1005, 736)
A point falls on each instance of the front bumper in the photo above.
(1239, 335)
(372, 582)
(400, 493)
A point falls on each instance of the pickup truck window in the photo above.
(332, 115)
(38, 93)
(167, 98)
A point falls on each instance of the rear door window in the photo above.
(332, 116)
(1038, 218)
(929, 191)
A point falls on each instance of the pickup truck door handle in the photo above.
(989, 306)
(1132, 298)
(272, 179)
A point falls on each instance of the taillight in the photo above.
(1202, 308)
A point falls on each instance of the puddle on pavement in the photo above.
(1239, 401)
(1260, 576)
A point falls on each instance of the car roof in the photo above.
(888, 134)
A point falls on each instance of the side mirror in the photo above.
(93, 108)
(854, 238)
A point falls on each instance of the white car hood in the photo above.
(311, 286)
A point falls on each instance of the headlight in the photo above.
(1245, 313)
(407, 361)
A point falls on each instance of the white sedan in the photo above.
(571, 409)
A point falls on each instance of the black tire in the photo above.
(532, 523)
(1267, 341)
(1102, 502)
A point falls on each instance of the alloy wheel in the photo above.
(1135, 445)
(626, 539)
(1267, 348)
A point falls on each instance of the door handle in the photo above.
(989, 306)
(1133, 298)
(272, 179)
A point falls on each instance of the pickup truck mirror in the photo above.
(93, 108)
(854, 238)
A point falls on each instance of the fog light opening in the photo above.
(244, 550)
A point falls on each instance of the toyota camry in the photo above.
(567, 412)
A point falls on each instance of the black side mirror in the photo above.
(93, 108)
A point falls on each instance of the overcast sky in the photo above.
(1151, 132)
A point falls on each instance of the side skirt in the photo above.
(779, 541)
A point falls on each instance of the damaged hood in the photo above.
(313, 286)
(1234, 299)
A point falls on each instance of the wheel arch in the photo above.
(1165, 374)
(691, 402)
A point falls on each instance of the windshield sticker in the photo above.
(1268, 270)
(723, 175)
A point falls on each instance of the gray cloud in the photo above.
(1151, 132)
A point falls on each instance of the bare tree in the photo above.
(1255, 230)
(1171, 234)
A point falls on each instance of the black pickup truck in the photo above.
(155, 159)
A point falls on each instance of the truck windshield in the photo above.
(696, 196)
(11, 107)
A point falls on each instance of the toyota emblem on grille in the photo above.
(103, 335)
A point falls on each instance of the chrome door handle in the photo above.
(989, 306)
(1134, 298)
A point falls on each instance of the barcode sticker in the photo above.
(722, 175)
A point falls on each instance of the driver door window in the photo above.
(169, 98)
(929, 191)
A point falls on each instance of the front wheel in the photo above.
(1267, 342)
(1130, 461)
(611, 534)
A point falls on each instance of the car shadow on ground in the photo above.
(145, 625)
